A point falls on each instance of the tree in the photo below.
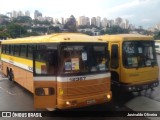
(15, 30)
(32, 34)
(42, 30)
(71, 24)
(115, 30)
(22, 19)
(157, 35)
(53, 29)
(4, 35)
(41, 22)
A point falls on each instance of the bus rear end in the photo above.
(82, 77)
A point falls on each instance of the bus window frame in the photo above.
(34, 59)
(86, 44)
(3, 48)
(113, 53)
(23, 54)
(154, 53)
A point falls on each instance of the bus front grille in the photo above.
(86, 90)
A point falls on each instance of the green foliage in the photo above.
(157, 36)
(88, 33)
(53, 29)
(40, 29)
(16, 30)
(71, 24)
(115, 30)
(32, 34)
(22, 19)
(4, 34)
(36, 22)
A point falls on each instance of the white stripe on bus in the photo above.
(67, 79)
(23, 66)
(87, 77)
(45, 78)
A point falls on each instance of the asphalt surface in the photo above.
(15, 98)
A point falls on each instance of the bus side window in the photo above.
(16, 50)
(23, 50)
(114, 56)
(30, 51)
(3, 49)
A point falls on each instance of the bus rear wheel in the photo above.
(10, 75)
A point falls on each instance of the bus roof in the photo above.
(121, 37)
(54, 38)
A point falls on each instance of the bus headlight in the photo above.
(67, 103)
(108, 96)
(71, 103)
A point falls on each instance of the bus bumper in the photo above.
(83, 101)
(140, 87)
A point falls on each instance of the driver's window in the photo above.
(46, 62)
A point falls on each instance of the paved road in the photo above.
(14, 98)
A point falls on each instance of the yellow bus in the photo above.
(66, 70)
(133, 62)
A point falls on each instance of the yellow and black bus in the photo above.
(133, 62)
(66, 70)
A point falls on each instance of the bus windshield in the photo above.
(83, 59)
(139, 54)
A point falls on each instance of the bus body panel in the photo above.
(85, 93)
(23, 77)
(48, 90)
(140, 75)
(44, 99)
(136, 78)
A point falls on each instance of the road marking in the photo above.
(3, 78)
(7, 91)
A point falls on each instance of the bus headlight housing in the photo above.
(71, 103)
(108, 96)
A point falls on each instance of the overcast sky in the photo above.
(138, 12)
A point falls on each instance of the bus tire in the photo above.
(50, 109)
(8, 74)
(11, 75)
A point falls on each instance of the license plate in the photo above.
(91, 101)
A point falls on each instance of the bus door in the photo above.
(44, 73)
(114, 63)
